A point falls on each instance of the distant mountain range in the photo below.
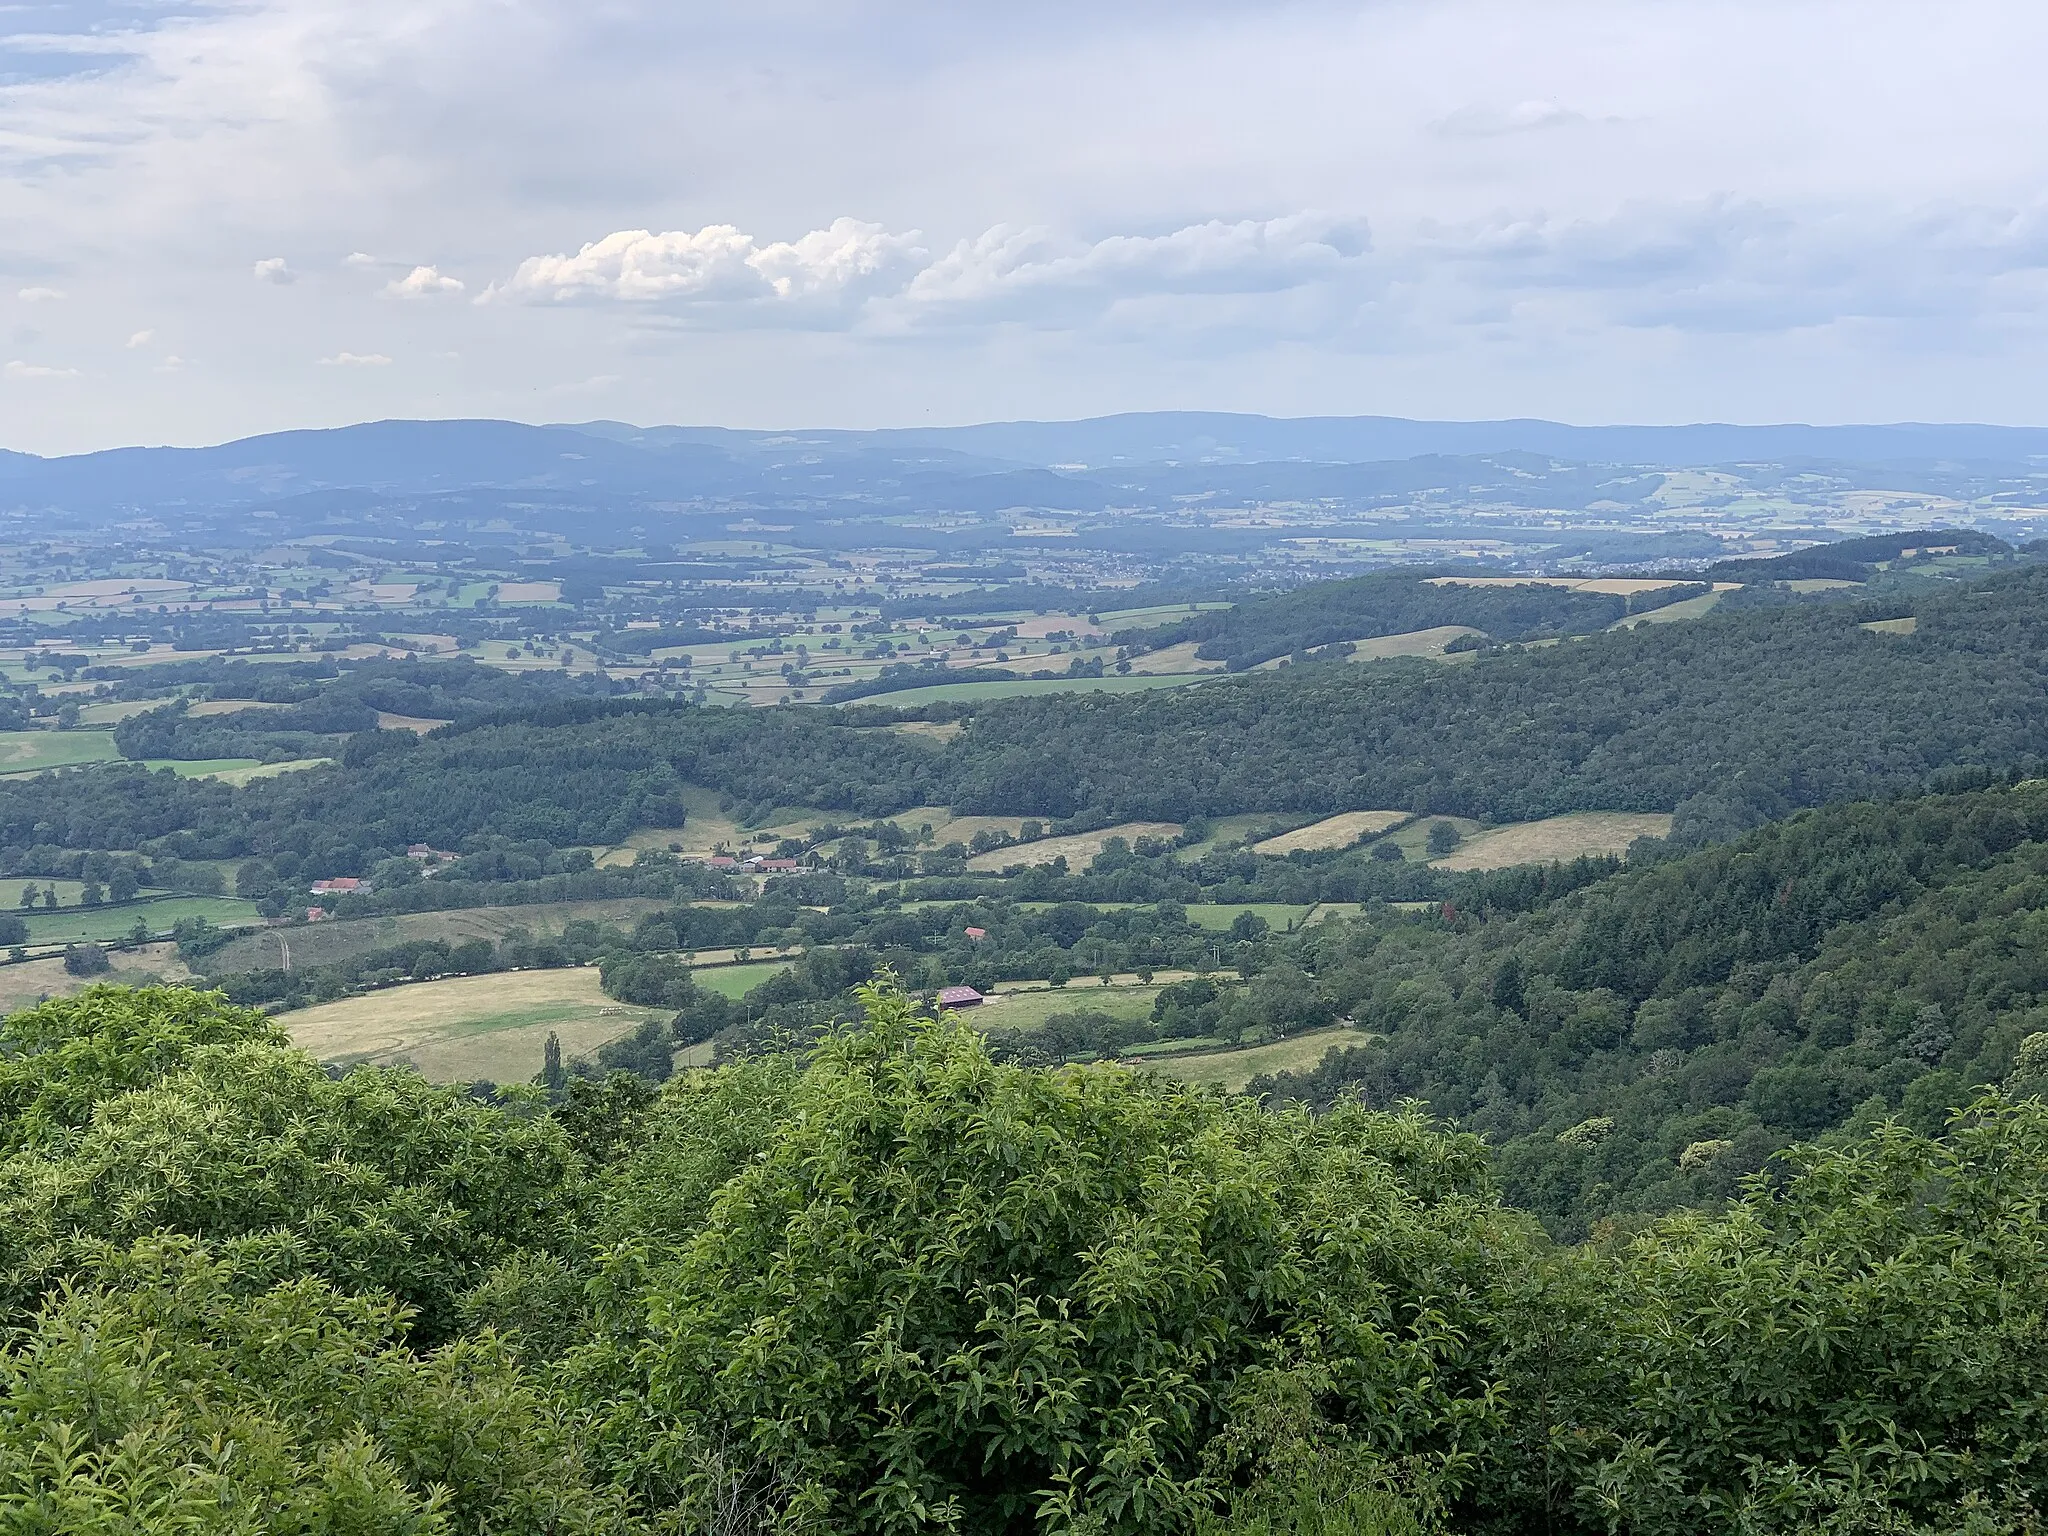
(471, 471)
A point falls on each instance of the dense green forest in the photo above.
(1730, 719)
(897, 1286)
(1800, 706)
(1652, 1039)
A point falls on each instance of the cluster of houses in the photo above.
(429, 858)
(755, 864)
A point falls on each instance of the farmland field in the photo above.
(1339, 831)
(73, 925)
(1416, 642)
(1672, 613)
(1559, 837)
(324, 943)
(33, 751)
(206, 707)
(736, 981)
(1231, 1070)
(28, 983)
(1028, 1008)
(1078, 850)
(468, 1027)
(1173, 660)
(202, 768)
(1220, 915)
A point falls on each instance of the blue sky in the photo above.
(219, 219)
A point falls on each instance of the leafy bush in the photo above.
(952, 1292)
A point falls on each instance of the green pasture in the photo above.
(1031, 1008)
(736, 981)
(75, 925)
(34, 751)
(1231, 1070)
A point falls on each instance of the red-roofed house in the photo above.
(977, 933)
(335, 887)
(960, 997)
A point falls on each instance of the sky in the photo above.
(224, 219)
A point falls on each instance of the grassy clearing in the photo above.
(1174, 660)
(325, 943)
(1672, 613)
(270, 770)
(937, 730)
(1413, 839)
(948, 828)
(208, 707)
(1428, 643)
(706, 829)
(1557, 838)
(1025, 687)
(1232, 831)
(202, 768)
(111, 712)
(1218, 916)
(1905, 626)
(1339, 831)
(1231, 1070)
(417, 724)
(1028, 1008)
(34, 751)
(1163, 614)
(1078, 850)
(736, 981)
(33, 981)
(75, 925)
(468, 1027)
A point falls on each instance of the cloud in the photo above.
(719, 265)
(421, 282)
(40, 295)
(21, 370)
(360, 259)
(172, 363)
(356, 360)
(273, 269)
(1722, 265)
(1033, 274)
(1487, 122)
(853, 271)
(141, 339)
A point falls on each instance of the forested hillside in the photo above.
(903, 1288)
(1652, 1039)
(1729, 719)
(1385, 603)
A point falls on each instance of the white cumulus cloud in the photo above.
(141, 339)
(422, 282)
(720, 264)
(39, 295)
(356, 360)
(17, 369)
(273, 269)
(854, 270)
